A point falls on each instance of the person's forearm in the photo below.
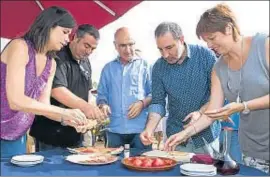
(204, 107)
(152, 121)
(67, 98)
(259, 103)
(198, 126)
(147, 101)
(255, 104)
(29, 105)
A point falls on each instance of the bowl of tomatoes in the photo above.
(142, 163)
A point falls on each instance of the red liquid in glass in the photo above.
(225, 164)
(226, 167)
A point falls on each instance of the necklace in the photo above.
(229, 86)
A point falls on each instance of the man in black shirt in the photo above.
(71, 86)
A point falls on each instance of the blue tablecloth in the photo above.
(55, 164)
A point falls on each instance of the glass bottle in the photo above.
(225, 164)
(126, 150)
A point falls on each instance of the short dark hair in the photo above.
(89, 29)
(216, 19)
(49, 18)
(170, 27)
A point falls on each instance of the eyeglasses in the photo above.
(85, 73)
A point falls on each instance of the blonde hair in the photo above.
(217, 19)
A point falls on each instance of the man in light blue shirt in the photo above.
(124, 93)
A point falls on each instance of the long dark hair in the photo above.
(49, 18)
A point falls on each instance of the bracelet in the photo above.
(194, 128)
(142, 103)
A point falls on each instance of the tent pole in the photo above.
(39, 5)
(105, 7)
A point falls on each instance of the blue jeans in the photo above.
(234, 146)
(115, 140)
(15, 147)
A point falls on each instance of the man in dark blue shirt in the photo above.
(183, 73)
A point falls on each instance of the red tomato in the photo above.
(137, 162)
(130, 159)
(158, 162)
(147, 163)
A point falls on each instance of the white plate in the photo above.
(197, 174)
(26, 164)
(176, 155)
(117, 151)
(198, 168)
(114, 152)
(73, 151)
(80, 158)
(27, 158)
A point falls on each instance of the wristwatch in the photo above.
(246, 110)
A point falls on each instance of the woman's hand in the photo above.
(194, 116)
(225, 112)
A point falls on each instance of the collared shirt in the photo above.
(187, 86)
(76, 77)
(120, 86)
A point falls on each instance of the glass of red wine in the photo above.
(224, 163)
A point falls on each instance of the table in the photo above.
(54, 164)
